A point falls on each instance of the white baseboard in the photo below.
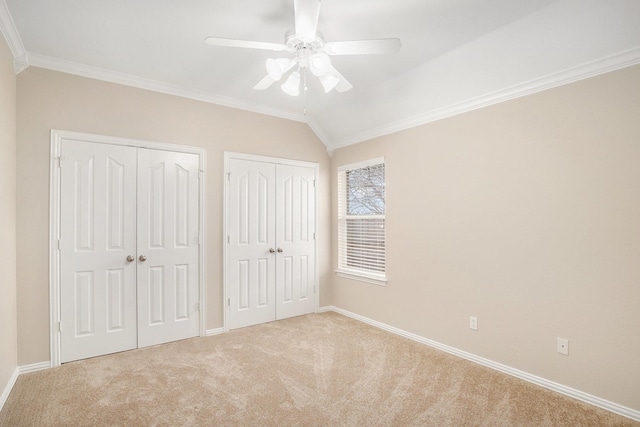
(24, 369)
(567, 391)
(14, 377)
(7, 389)
(215, 331)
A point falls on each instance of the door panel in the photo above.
(252, 233)
(295, 229)
(98, 221)
(168, 279)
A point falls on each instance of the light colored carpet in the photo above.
(321, 369)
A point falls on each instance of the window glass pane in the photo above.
(365, 190)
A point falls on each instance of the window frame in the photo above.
(368, 276)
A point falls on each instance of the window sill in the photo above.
(376, 280)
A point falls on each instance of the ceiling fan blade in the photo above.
(217, 41)
(343, 85)
(306, 15)
(264, 83)
(363, 47)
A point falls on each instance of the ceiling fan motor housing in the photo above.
(303, 50)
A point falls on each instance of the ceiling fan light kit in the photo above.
(292, 85)
(320, 64)
(310, 51)
(277, 67)
(329, 82)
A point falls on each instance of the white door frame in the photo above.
(54, 222)
(225, 241)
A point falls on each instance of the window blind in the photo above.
(361, 219)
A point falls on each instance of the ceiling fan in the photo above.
(310, 52)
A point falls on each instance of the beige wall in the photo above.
(8, 340)
(525, 214)
(48, 99)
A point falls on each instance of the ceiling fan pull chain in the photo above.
(304, 91)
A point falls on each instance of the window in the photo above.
(361, 216)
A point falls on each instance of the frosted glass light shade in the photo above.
(329, 81)
(277, 67)
(292, 85)
(319, 64)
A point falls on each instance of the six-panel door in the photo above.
(168, 290)
(295, 241)
(98, 233)
(251, 243)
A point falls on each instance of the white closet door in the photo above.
(168, 276)
(98, 223)
(251, 219)
(295, 241)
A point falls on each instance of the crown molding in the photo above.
(590, 69)
(97, 73)
(10, 33)
(20, 63)
(604, 65)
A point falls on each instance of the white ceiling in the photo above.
(456, 55)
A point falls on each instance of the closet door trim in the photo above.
(228, 156)
(57, 136)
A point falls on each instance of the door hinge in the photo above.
(59, 326)
(228, 302)
(228, 176)
(314, 236)
(59, 244)
(314, 183)
(199, 306)
(228, 239)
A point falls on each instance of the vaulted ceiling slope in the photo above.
(457, 55)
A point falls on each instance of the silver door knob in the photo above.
(142, 258)
(279, 250)
(130, 258)
(272, 251)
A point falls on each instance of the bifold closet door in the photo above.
(98, 234)
(168, 276)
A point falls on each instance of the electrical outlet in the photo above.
(563, 346)
(473, 323)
